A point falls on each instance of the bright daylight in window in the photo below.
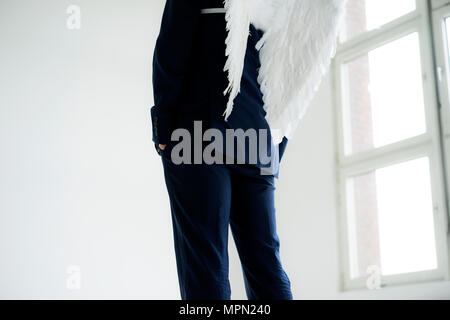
(387, 191)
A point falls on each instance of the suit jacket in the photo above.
(189, 78)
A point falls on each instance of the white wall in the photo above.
(82, 185)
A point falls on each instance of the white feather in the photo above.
(238, 22)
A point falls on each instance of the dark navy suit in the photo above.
(188, 82)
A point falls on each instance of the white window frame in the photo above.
(441, 11)
(427, 144)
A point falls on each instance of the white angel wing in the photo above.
(295, 51)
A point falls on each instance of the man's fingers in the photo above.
(162, 146)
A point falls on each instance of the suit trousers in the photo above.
(205, 200)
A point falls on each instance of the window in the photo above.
(377, 104)
(391, 177)
(387, 209)
(366, 15)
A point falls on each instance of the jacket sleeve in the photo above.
(171, 62)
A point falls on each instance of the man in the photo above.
(228, 67)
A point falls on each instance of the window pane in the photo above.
(384, 100)
(366, 15)
(390, 220)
